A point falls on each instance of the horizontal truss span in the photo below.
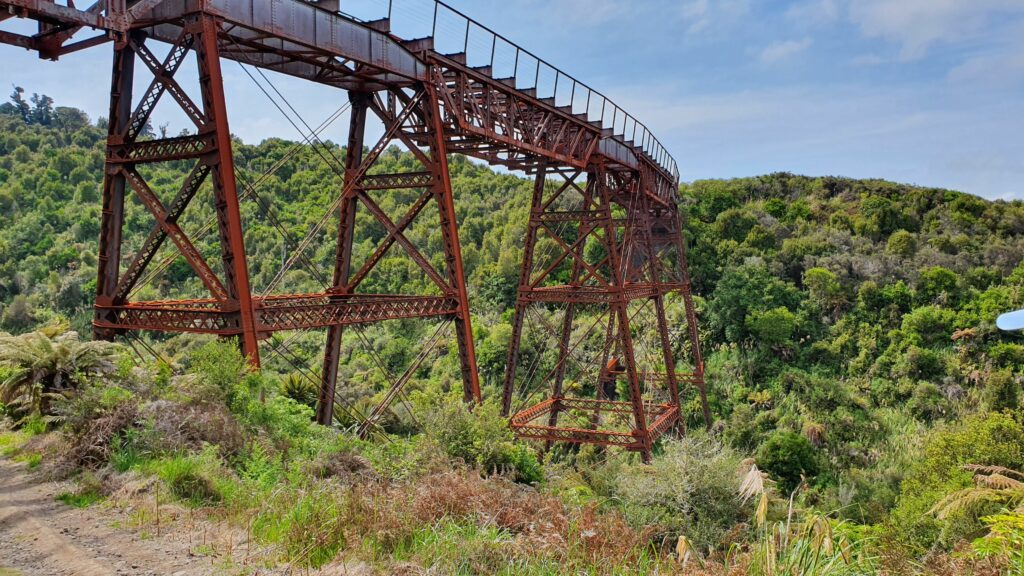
(597, 295)
(276, 313)
(660, 416)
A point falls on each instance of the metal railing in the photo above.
(455, 33)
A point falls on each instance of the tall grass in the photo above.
(813, 547)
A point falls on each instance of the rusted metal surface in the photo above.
(441, 84)
(638, 259)
(273, 314)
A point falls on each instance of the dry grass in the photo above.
(533, 526)
(93, 447)
(179, 427)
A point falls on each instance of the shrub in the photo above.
(933, 325)
(995, 439)
(173, 426)
(217, 369)
(1001, 391)
(483, 438)
(1007, 354)
(902, 243)
(286, 423)
(96, 441)
(788, 457)
(689, 490)
(771, 327)
(1004, 540)
(928, 402)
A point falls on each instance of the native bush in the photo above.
(691, 489)
(482, 437)
(788, 457)
(995, 439)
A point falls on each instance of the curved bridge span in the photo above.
(439, 83)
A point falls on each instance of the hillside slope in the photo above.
(848, 324)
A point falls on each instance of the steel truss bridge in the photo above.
(440, 84)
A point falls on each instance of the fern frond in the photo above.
(964, 500)
(998, 482)
(982, 469)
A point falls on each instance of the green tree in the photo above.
(788, 457)
(937, 285)
(824, 289)
(772, 327)
(747, 291)
(901, 243)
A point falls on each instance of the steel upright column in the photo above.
(112, 218)
(586, 227)
(671, 378)
(442, 190)
(225, 189)
(691, 321)
(512, 360)
(343, 258)
(619, 309)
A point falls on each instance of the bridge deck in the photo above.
(503, 98)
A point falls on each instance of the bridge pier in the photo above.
(343, 260)
(618, 264)
(209, 148)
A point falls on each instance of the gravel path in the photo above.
(40, 536)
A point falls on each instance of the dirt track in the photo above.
(40, 536)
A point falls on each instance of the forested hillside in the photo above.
(854, 369)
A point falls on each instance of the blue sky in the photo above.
(921, 91)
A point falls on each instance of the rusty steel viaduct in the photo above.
(439, 83)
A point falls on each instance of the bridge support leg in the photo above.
(225, 189)
(575, 217)
(620, 310)
(343, 259)
(519, 315)
(112, 222)
(570, 312)
(210, 148)
(442, 191)
(691, 320)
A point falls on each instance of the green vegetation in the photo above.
(79, 499)
(869, 412)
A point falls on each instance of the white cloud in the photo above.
(702, 15)
(905, 135)
(813, 12)
(867, 60)
(918, 24)
(783, 49)
(1000, 70)
(1000, 65)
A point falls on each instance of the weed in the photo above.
(12, 441)
(31, 460)
(80, 499)
(308, 526)
(34, 426)
(188, 478)
(126, 453)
